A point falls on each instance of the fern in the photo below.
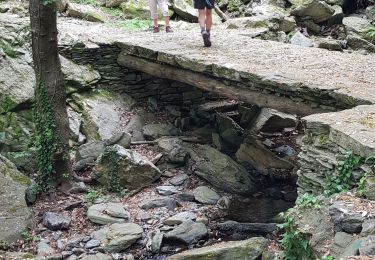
(370, 34)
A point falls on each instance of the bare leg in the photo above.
(155, 22)
(202, 19)
(166, 19)
(208, 20)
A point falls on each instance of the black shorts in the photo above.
(202, 4)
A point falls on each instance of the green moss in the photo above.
(21, 179)
(323, 139)
(28, 256)
(6, 103)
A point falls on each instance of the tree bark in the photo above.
(50, 83)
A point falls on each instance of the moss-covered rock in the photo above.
(85, 12)
(15, 214)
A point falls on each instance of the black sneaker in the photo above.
(206, 39)
(155, 29)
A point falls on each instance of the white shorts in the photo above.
(163, 6)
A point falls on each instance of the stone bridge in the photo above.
(293, 79)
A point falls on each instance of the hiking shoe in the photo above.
(168, 29)
(206, 39)
(155, 29)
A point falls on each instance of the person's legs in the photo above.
(154, 14)
(164, 10)
(202, 19)
(208, 20)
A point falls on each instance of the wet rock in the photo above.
(108, 213)
(154, 131)
(221, 171)
(319, 11)
(160, 202)
(119, 236)
(205, 195)
(188, 232)
(15, 215)
(230, 227)
(185, 196)
(85, 12)
(178, 179)
(55, 221)
(301, 40)
(271, 120)
(262, 159)
(249, 249)
(92, 244)
(356, 24)
(179, 218)
(367, 246)
(134, 170)
(166, 190)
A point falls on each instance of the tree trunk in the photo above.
(51, 117)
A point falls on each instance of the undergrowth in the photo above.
(8, 49)
(136, 24)
(369, 34)
(92, 195)
(112, 159)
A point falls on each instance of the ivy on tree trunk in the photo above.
(51, 119)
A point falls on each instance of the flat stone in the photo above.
(178, 179)
(119, 236)
(92, 244)
(97, 256)
(160, 202)
(44, 249)
(231, 227)
(156, 243)
(179, 218)
(250, 249)
(205, 195)
(154, 131)
(108, 213)
(55, 221)
(166, 190)
(301, 40)
(356, 24)
(188, 232)
(85, 12)
(185, 196)
(367, 246)
(368, 227)
(319, 11)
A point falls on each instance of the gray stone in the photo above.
(370, 188)
(221, 171)
(134, 128)
(230, 131)
(368, 227)
(135, 9)
(370, 13)
(270, 120)
(119, 236)
(248, 115)
(135, 171)
(231, 227)
(205, 195)
(345, 220)
(329, 44)
(250, 249)
(166, 190)
(179, 218)
(356, 24)
(86, 154)
(188, 232)
(319, 11)
(97, 256)
(78, 76)
(179, 179)
(154, 131)
(167, 202)
(85, 12)
(185, 196)
(185, 10)
(108, 213)
(301, 40)
(113, 3)
(92, 244)
(44, 249)
(367, 246)
(355, 42)
(156, 242)
(55, 221)
(122, 139)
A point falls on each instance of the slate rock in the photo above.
(156, 242)
(299, 39)
(154, 131)
(188, 232)
(178, 179)
(160, 202)
(205, 195)
(54, 221)
(108, 213)
(179, 218)
(185, 196)
(166, 190)
(230, 227)
(367, 246)
(92, 243)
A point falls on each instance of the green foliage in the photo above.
(8, 49)
(369, 34)
(294, 242)
(233, 6)
(135, 24)
(307, 201)
(4, 245)
(48, 2)
(113, 11)
(45, 140)
(111, 156)
(86, 2)
(92, 195)
(27, 236)
(360, 191)
(343, 180)
(328, 257)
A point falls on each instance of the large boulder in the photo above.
(356, 42)
(118, 237)
(356, 24)
(154, 131)
(249, 249)
(188, 232)
(221, 171)
(271, 120)
(136, 9)
(14, 213)
(319, 11)
(185, 10)
(132, 169)
(85, 12)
